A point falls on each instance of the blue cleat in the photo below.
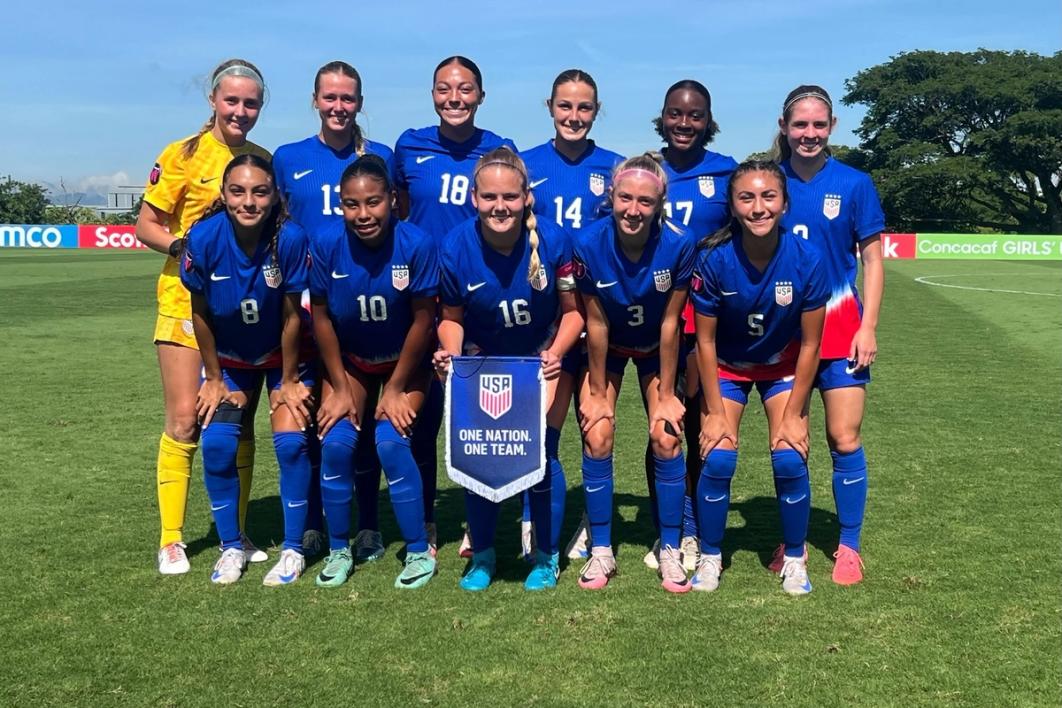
(544, 575)
(478, 577)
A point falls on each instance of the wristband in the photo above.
(176, 246)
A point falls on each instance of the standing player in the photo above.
(633, 272)
(697, 180)
(308, 175)
(246, 270)
(760, 294)
(182, 184)
(570, 176)
(837, 209)
(433, 173)
(507, 290)
(373, 283)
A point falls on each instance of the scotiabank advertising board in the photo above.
(972, 247)
(118, 236)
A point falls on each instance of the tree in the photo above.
(964, 140)
(21, 202)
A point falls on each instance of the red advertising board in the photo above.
(116, 236)
(898, 245)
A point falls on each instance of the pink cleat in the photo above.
(672, 574)
(599, 569)
(848, 570)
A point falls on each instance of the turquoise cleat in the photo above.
(481, 573)
(544, 575)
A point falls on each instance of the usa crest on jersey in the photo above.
(540, 281)
(783, 292)
(400, 276)
(662, 280)
(597, 184)
(495, 394)
(831, 206)
(271, 272)
(706, 184)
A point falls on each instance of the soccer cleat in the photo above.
(598, 570)
(287, 570)
(338, 567)
(795, 576)
(579, 546)
(418, 570)
(848, 570)
(313, 542)
(173, 560)
(543, 575)
(433, 537)
(672, 574)
(527, 541)
(229, 567)
(368, 545)
(775, 566)
(709, 568)
(691, 552)
(652, 558)
(254, 553)
(465, 549)
(480, 573)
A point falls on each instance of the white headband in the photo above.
(808, 94)
(238, 70)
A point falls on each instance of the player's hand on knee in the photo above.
(715, 429)
(671, 411)
(298, 399)
(212, 393)
(793, 431)
(592, 410)
(394, 406)
(336, 407)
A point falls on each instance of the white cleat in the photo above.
(795, 576)
(173, 560)
(652, 558)
(709, 568)
(579, 547)
(254, 553)
(229, 567)
(287, 570)
(691, 552)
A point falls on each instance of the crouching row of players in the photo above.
(506, 285)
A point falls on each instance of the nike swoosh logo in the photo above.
(538, 182)
(715, 499)
(329, 479)
(801, 498)
(425, 158)
(848, 369)
(218, 508)
(391, 484)
(606, 285)
(204, 180)
(216, 278)
(337, 276)
(477, 286)
(300, 175)
(852, 481)
(296, 505)
(591, 490)
(287, 578)
(410, 581)
(724, 293)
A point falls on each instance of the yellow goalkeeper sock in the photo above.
(173, 474)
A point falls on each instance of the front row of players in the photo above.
(506, 286)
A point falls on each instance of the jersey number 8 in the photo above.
(249, 310)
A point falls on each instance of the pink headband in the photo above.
(638, 171)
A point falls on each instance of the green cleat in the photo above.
(418, 570)
(338, 567)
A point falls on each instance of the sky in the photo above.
(90, 93)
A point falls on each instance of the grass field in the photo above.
(963, 538)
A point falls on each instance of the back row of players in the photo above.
(502, 253)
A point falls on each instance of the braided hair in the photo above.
(505, 157)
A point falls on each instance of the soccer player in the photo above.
(570, 176)
(836, 208)
(373, 281)
(245, 267)
(433, 173)
(182, 184)
(697, 179)
(633, 271)
(507, 290)
(760, 293)
(308, 175)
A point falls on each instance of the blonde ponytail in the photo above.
(534, 263)
(192, 144)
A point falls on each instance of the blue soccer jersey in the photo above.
(245, 294)
(308, 175)
(634, 296)
(504, 314)
(834, 211)
(572, 194)
(696, 196)
(370, 290)
(437, 175)
(758, 314)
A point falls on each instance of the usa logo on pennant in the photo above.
(540, 281)
(706, 183)
(662, 280)
(831, 206)
(273, 278)
(783, 292)
(400, 276)
(597, 184)
(495, 394)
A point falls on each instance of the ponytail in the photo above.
(534, 263)
(230, 67)
(780, 150)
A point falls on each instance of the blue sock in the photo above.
(367, 478)
(689, 517)
(337, 481)
(403, 483)
(794, 498)
(219, 442)
(850, 494)
(670, 489)
(547, 498)
(713, 497)
(314, 514)
(598, 486)
(425, 440)
(482, 521)
(294, 463)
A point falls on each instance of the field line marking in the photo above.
(925, 280)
